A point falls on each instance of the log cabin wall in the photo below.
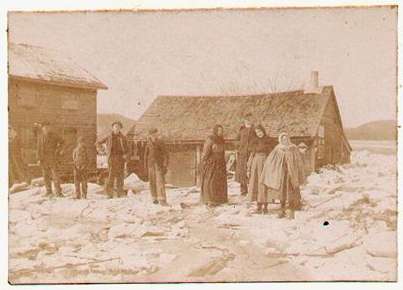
(72, 112)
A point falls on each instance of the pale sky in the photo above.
(140, 55)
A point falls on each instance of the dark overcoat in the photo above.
(245, 140)
(122, 141)
(80, 156)
(49, 147)
(18, 171)
(155, 153)
(213, 172)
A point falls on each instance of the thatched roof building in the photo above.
(311, 117)
(191, 118)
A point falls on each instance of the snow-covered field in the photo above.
(378, 147)
(345, 231)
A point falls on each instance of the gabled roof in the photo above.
(40, 64)
(191, 118)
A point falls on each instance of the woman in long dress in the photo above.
(213, 169)
(283, 174)
(261, 146)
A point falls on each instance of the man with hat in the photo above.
(245, 136)
(49, 151)
(156, 164)
(116, 150)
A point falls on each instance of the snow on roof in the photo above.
(191, 118)
(37, 63)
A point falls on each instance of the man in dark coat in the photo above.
(156, 164)
(18, 171)
(116, 151)
(245, 137)
(49, 151)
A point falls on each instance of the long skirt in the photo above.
(257, 190)
(288, 195)
(214, 182)
(157, 183)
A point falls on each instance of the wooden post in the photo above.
(313, 154)
(197, 165)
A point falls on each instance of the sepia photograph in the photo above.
(202, 145)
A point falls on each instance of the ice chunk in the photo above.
(381, 244)
(134, 183)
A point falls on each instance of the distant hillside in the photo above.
(104, 122)
(377, 130)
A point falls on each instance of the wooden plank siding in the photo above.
(182, 167)
(71, 111)
(336, 150)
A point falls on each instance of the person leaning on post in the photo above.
(116, 151)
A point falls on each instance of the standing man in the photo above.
(116, 150)
(80, 160)
(245, 136)
(18, 171)
(49, 151)
(156, 164)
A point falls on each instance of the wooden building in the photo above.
(310, 116)
(45, 85)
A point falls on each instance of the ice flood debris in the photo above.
(348, 223)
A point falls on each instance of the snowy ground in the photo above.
(377, 147)
(346, 231)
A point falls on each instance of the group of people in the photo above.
(49, 152)
(267, 170)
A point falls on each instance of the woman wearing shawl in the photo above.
(261, 146)
(213, 169)
(283, 174)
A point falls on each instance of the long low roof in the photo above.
(39, 64)
(191, 118)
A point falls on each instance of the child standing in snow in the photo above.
(80, 159)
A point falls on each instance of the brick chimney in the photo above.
(313, 85)
(315, 79)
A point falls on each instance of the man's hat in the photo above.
(119, 123)
(45, 123)
(247, 115)
(152, 131)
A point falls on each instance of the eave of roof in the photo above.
(34, 63)
(283, 111)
